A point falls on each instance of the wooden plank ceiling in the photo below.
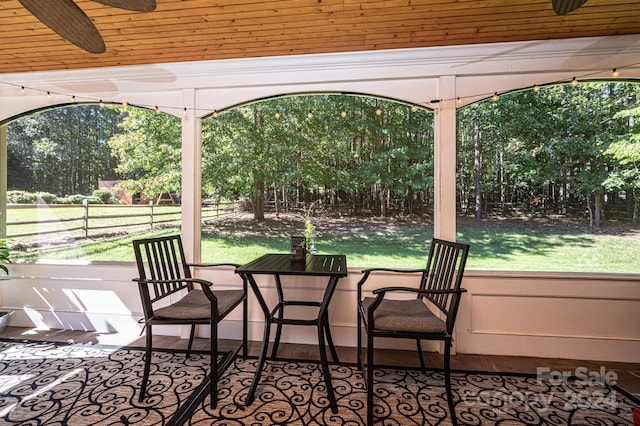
(193, 30)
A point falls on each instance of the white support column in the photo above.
(444, 225)
(3, 181)
(191, 176)
(445, 160)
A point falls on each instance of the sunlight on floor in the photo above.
(96, 338)
(52, 385)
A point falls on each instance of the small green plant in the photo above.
(308, 225)
(106, 196)
(4, 256)
(308, 231)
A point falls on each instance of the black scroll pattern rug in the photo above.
(293, 393)
(61, 384)
(57, 384)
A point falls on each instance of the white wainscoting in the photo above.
(578, 316)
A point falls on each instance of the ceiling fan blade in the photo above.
(563, 7)
(69, 21)
(137, 5)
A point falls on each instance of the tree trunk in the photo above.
(276, 200)
(477, 169)
(257, 202)
(564, 190)
(72, 175)
(285, 200)
(598, 209)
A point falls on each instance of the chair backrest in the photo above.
(160, 259)
(444, 271)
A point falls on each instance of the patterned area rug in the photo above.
(57, 384)
(293, 393)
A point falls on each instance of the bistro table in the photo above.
(332, 266)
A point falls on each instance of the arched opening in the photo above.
(357, 169)
(548, 178)
(72, 192)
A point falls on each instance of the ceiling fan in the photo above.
(563, 7)
(70, 22)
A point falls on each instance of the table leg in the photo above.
(324, 335)
(323, 320)
(325, 330)
(280, 313)
(325, 368)
(276, 341)
(265, 340)
(324, 323)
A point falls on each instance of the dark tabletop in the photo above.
(281, 264)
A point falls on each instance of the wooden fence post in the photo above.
(85, 217)
(151, 214)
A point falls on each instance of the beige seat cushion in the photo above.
(195, 305)
(405, 316)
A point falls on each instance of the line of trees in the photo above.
(356, 152)
(557, 148)
(362, 153)
(63, 150)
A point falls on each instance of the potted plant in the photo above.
(301, 245)
(308, 232)
(5, 257)
(309, 229)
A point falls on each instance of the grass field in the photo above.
(508, 250)
(387, 242)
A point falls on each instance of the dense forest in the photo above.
(563, 149)
(558, 149)
(64, 150)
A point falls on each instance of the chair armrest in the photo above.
(367, 271)
(211, 265)
(417, 290)
(177, 280)
(204, 283)
(399, 270)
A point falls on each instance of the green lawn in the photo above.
(551, 251)
(497, 250)
(380, 243)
